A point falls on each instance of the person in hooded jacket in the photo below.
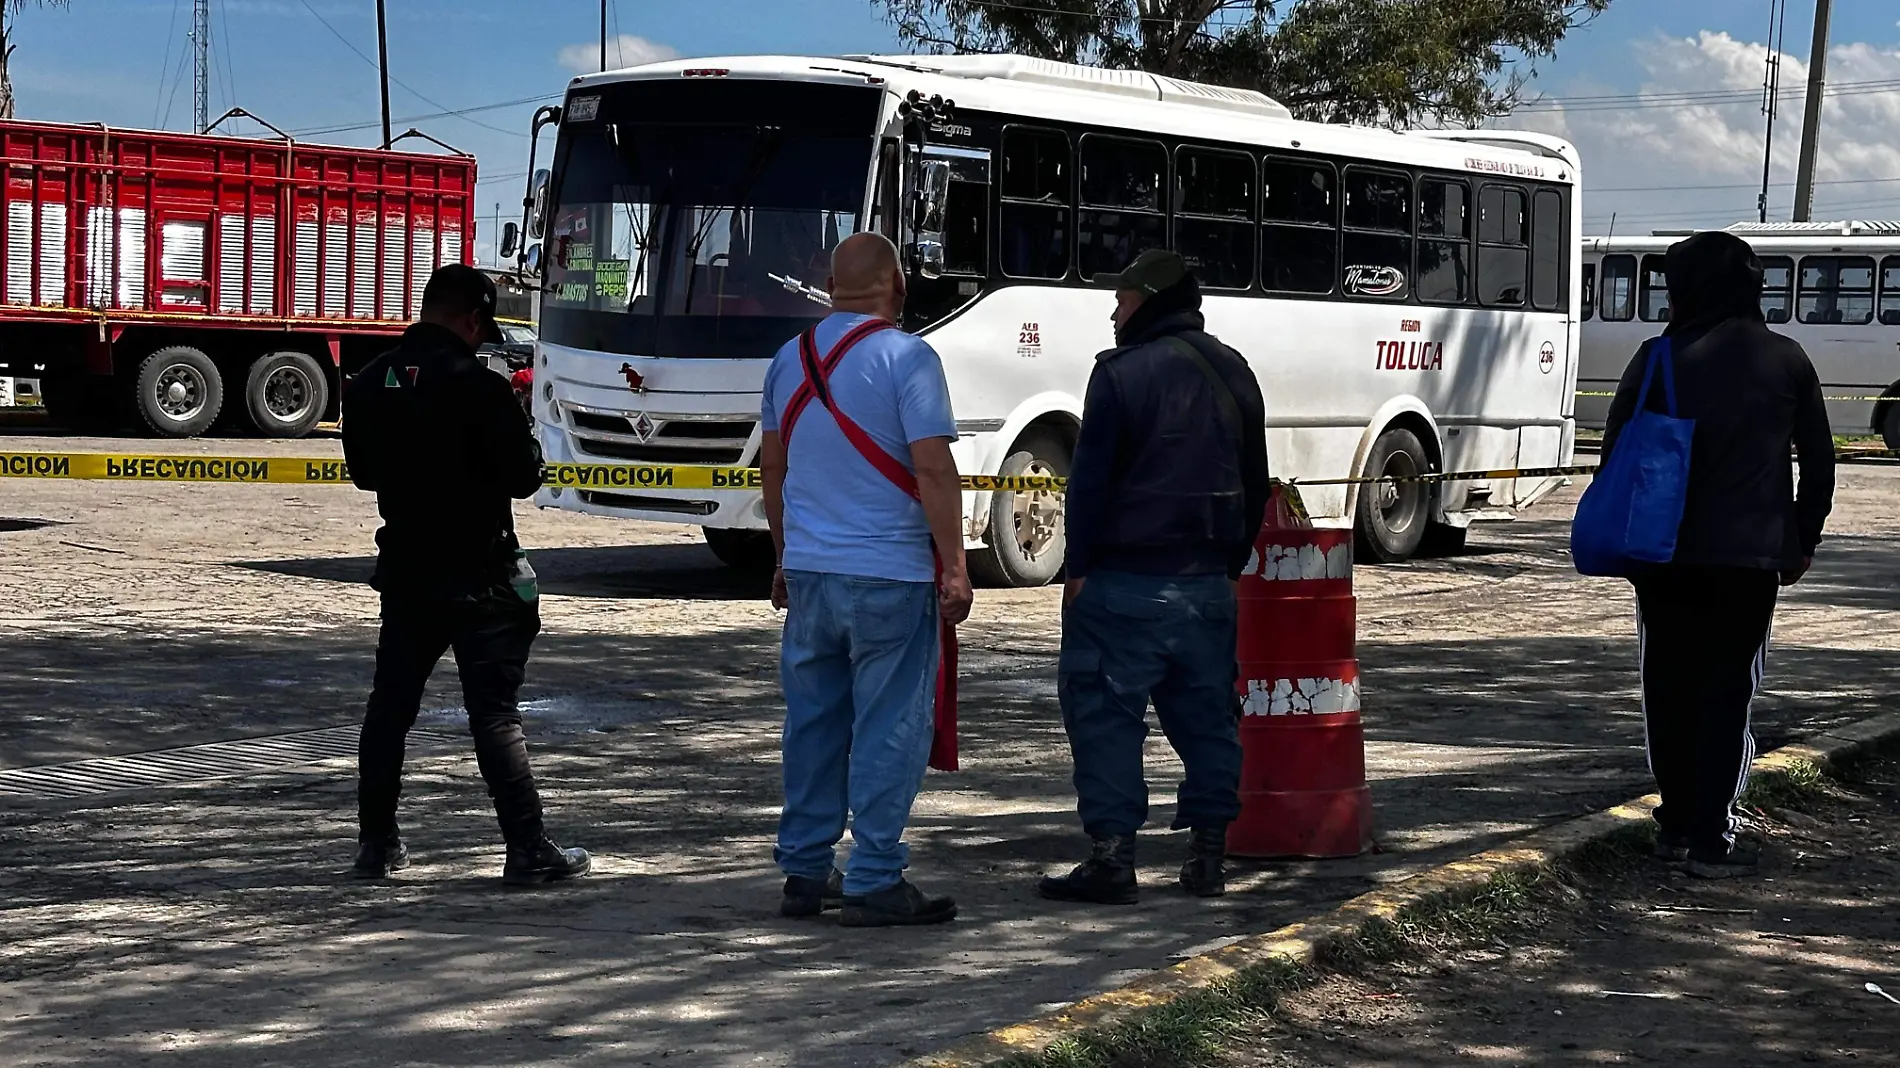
(1166, 494)
(1703, 619)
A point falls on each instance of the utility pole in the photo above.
(201, 70)
(1771, 93)
(603, 34)
(1811, 123)
(382, 62)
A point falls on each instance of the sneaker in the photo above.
(811, 897)
(377, 859)
(1106, 878)
(1739, 860)
(1205, 873)
(902, 905)
(544, 862)
(1671, 848)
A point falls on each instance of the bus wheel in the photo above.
(750, 551)
(285, 395)
(1026, 539)
(1393, 515)
(180, 392)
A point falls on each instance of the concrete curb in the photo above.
(1301, 944)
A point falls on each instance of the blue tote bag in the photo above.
(1629, 515)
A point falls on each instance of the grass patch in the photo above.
(1784, 786)
(1195, 1030)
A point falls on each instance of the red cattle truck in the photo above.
(172, 279)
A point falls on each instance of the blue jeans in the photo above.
(1131, 637)
(859, 668)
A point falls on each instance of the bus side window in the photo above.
(1837, 290)
(1213, 216)
(1444, 241)
(1589, 291)
(1616, 289)
(1654, 290)
(1777, 288)
(1122, 212)
(1504, 241)
(1035, 195)
(1889, 291)
(1377, 261)
(1299, 226)
(1548, 291)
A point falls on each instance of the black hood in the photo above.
(1712, 276)
(1183, 296)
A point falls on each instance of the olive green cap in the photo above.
(1153, 271)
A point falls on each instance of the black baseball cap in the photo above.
(1153, 271)
(459, 288)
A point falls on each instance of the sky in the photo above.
(1652, 160)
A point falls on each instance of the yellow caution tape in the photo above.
(328, 471)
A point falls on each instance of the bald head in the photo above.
(866, 276)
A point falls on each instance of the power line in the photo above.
(320, 131)
(360, 54)
(165, 68)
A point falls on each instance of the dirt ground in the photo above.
(210, 923)
(1651, 967)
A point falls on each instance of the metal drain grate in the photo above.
(192, 763)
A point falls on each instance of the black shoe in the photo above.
(1739, 860)
(811, 897)
(1205, 874)
(376, 859)
(544, 862)
(902, 905)
(1671, 848)
(1106, 878)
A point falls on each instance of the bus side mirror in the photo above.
(538, 205)
(510, 241)
(533, 261)
(926, 256)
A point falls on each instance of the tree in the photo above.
(1395, 62)
(12, 7)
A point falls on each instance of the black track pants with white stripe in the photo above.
(1702, 635)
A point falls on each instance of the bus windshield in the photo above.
(696, 219)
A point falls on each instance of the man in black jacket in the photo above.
(1703, 619)
(1167, 491)
(439, 439)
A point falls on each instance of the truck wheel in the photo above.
(750, 551)
(1890, 426)
(1393, 515)
(285, 395)
(1026, 538)
(180, 392)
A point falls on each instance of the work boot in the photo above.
(1106, 878)
(376, 858)
(1204, 874)
(810, 897)
(544, 862)
(902, 905)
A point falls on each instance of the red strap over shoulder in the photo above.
(808, 355)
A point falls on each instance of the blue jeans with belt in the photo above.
(1128, 638)
(859, 669)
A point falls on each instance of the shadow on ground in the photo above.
(213, 924)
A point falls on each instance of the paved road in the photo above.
(211, 924)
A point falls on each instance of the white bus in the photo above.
(1405, 299)
(1834, 287)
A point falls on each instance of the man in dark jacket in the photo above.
(1167, 491)
(439, 439)
(1703, 619)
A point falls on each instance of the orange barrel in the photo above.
(1303, 766)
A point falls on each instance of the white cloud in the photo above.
(625, 50)
(1664, 166)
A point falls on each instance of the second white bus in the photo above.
(1407, 299)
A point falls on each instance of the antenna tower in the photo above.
(201, 70)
